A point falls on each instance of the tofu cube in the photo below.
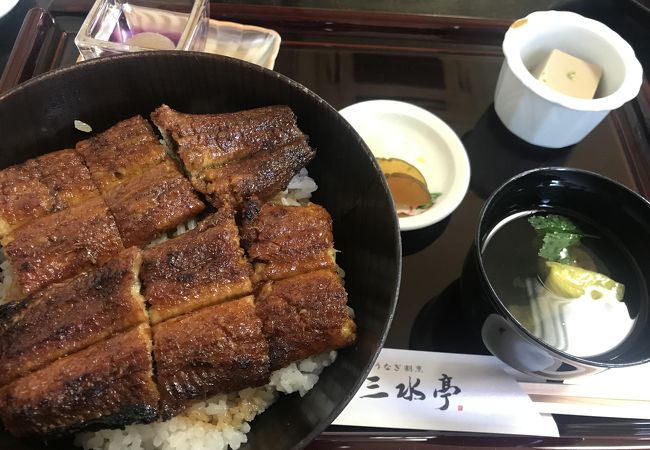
(569, 75)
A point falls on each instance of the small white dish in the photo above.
(6, 6)
(537, 113)
(393, 129)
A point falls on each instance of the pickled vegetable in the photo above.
(396, 165)
(408, 192)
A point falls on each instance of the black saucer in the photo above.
(415, 240)
(442, 326)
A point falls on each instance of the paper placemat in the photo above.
(444, 392)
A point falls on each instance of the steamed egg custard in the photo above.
(566, 283)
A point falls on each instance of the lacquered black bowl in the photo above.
(615, 211)
(37, 117)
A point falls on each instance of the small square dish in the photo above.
(123, 26)
(117, 26)
(247, 42)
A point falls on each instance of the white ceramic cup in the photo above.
(537, 113)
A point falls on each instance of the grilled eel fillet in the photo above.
(125, 150)
(60, 245)
(154, 202)
(210, 140)
(303, 316)
(105, 379)
(108, 384)
(262, 175)
(209, 350)
(217, 349)
(41, 186)
(282, 241)
(66, 317)
(233, 156)
(143, 188)
(201, 267)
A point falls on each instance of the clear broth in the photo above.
(583, 326)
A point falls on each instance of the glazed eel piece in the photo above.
(68, 316)
(303, 316)
(199, 268)
(233, 156)
(152, 203)
(209, 335)
(205, 141)
(124, 151)
(109, 384)
(282, 241)
(216, 349)
(42, 186)
(68, 211)
(143, 188)
(58, 246)
(202, 345)
(263, 175)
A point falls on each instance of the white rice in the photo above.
(82, 126)
(217, 423)
(182, 228)
(298, 191)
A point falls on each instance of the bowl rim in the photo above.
(220, 59)
(515, 37)
(494, 298)
(454, 148)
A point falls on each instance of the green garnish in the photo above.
(433, 196)
(556, 246)
(553, 222)
(558, 235)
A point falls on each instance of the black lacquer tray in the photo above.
(449, 66)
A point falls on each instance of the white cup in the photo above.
(537, 113)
